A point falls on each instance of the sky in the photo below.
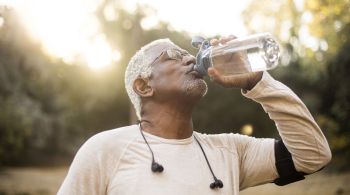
(68, 29)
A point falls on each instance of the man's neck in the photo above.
(170, 122)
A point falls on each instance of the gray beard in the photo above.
(196, 88)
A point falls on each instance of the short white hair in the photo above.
(140, 65)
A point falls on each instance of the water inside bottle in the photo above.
(240, 57)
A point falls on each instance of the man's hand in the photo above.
(244, 81)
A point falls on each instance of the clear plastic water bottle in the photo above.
(252, 53)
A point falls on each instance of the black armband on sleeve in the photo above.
(285, 166)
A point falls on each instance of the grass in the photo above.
(316, 184)
(31, 181)
(46, 181)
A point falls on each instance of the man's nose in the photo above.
(189, 59)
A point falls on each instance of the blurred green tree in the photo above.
(48, 108)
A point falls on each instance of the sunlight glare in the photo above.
(109, 13)
(307, 39)
(149, 22)
(67, 29)
(99, 54)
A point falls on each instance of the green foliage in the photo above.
(226, 110)
(47, 107)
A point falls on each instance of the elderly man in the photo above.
(164, 155)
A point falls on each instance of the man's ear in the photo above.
(142, 88)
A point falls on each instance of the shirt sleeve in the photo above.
(256, 160)
(297, 128)
(88, 171)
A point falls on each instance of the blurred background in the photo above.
(62, 66)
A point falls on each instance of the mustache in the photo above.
(191, 68)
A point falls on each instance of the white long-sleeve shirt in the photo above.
(119, 162)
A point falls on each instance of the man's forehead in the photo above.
(154, 51)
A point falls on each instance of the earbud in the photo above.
(216, 184)
(157, 167)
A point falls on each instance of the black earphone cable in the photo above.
(205, 156)
(217, 182)
(139, 122)
(156, 167)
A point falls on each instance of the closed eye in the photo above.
(173, 54)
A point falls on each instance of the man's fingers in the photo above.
(227, 81)
(224, 40)
(214, 42)
(217, 77)
(214, 74)
(211, 72)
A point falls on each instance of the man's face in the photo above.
(172, 73)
